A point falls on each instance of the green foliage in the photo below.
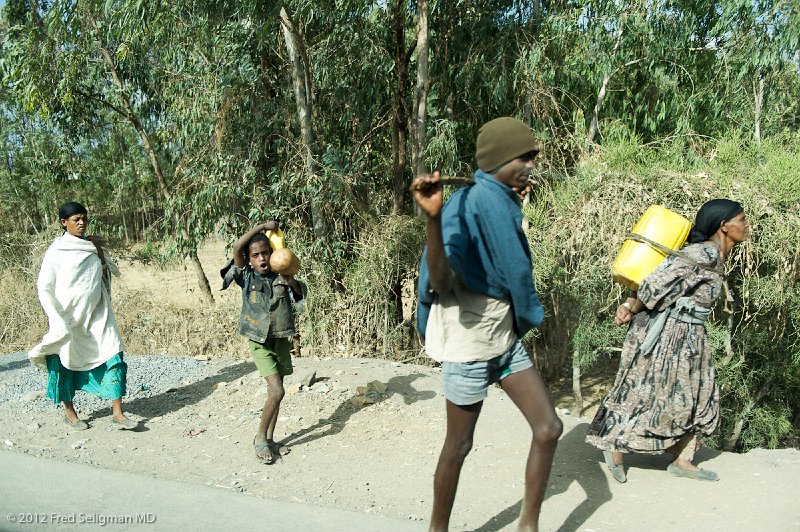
(177, 121)
(766, 426)
(578, 225)
(357, 316)
(443, 149)
(592, 337)
(151, 253)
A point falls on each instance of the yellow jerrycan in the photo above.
(276, 239)
(636, 260)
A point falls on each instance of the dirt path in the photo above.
(379, 458)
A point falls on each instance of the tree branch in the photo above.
(103, 102)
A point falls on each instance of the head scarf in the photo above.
(70, 208)
(710, 217)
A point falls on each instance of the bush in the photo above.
(361, 315)
(579, 224)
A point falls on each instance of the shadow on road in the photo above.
(8, 362)
(577, 461)
(14, 365)
(334, 423)
(590, 477)
(177, 398)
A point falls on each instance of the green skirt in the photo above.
(106, 381)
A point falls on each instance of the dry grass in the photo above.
(152, 326)
(158, 310)
(22, 320)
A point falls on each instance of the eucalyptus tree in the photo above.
(84, 66)
(628, 61)
(474, 46)
(420, 109)
(757, 45)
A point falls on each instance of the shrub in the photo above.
(578, 225)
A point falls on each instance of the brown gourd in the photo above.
(284, 262)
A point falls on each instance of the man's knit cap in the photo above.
(502, 140)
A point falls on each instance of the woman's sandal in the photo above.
(75, 425)
(617, 470)
(128, 424)
(700, 474)
(263, 452)
(278, 448)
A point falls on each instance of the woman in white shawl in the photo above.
(82, 350)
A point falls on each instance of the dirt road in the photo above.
(375, 452)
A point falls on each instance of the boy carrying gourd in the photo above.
(267, 321)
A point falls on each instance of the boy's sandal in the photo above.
(278, 448)
(263, 452)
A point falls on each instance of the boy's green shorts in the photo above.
(273, 356)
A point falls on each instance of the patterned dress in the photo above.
(667, 389)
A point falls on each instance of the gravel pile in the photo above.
(22, 383)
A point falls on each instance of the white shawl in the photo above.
(75, 295)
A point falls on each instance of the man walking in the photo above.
(476, 300)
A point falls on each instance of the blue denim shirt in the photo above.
(486, 246)
(267, 310)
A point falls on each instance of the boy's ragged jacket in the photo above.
(267, 310)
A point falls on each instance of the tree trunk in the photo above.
(445, 44)
(536, 11)
(601, 96)
(400, 118)
(526, 224)
(731, 442)
(301, 81)
(202, 279)
(205, 288)
(135, 122)
(576, 381)
(758, 94)
(421, 93)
